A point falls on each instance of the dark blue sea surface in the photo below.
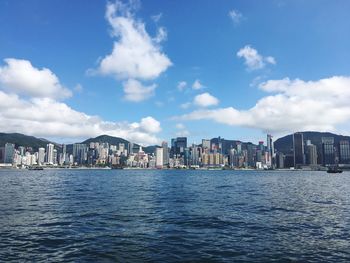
(174, 216)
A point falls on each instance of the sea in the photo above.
(68, 215)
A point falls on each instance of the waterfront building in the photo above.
(271, 151)
(206, 144)
(328, 152)
(41, 156)
(298, 149)
(159, 158)
(344, 152)
(178, 146)
(21, 150)
(280, 160)
(9, 153)
(311, 154)
(49, 153)
(80, 153)
(2, 154)
(54, 156)
(165, 153)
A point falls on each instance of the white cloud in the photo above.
(45, 117)
(157, 17)
(20, 77)
(252, 59)
(197, 85)
(205, 100)
(135, 91)
(181, 130)
(235, 16)
(135, 54)
(180, 126)
(296, 105)
(181, 85)
(185, 105)
(78, 88)
(161, 36)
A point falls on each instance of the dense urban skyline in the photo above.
(147, 71)
(310, 153)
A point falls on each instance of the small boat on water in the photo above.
(334, 169)
(35, 168)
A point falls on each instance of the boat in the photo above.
(35, 168)
(334, 169)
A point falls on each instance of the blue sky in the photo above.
(264, 66)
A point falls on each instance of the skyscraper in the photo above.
(80, 153)
(344, 152)
(41, 156)
(298, 149)
(178, 146)
(165, 153)
(328, 153)
(270, 150)
(9, 153)
(159, 157)
(311, 154)
(49, 153)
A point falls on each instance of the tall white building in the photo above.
(50, 153)
(159, 157)
(165, 153)
(41, 156)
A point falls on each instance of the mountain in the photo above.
(24, 140)
(116, 140)
(285, 144)
(106, 138)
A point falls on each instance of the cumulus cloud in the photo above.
(46, 117)
(205, 100)
(252, 59)
(20, 77)
(197, 85)
(135, 91)
(181, 85)
(292, 105)
(135, 54)
(181, 130)
(235, 16)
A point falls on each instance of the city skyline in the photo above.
(138, 70)
(315, 151)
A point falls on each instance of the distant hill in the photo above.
(106, 138)
(24, 140)
(116, 140)
(285, 144)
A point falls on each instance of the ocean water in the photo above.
(174, 216)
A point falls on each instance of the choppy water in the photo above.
(166, 216)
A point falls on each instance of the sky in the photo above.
(148, 71)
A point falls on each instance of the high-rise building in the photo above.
(41, 156)
(54, 156)
(311, 154)
(298, 149)
(9, 153)
(178, 146)
(344, 152)
(271, 151)
(80, 153)
(159, 157)
(206, 144)
(165, 153)
(328, 153)
(49, 153)
(2, 154)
